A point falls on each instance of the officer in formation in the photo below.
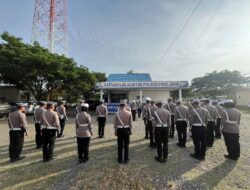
(18, 127)
(151, 123)
(61, 110)
(145, 116)
(133, 109)
(181, 120)
(219, 111)
(79, 106)
(163, 121)
(170, 106)
(50, 125)
(37, 117)
(83, 133)
(123, 130)
(230, 130)
(211, 110)
(102, 115)
(198, 122)
(139, 108)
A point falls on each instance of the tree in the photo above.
(34, 68)
(218, 83)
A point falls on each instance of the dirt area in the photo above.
(143, 172)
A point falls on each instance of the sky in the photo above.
(170, 39)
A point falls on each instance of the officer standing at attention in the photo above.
(230, 129)
(83, 133)
(170, 106)
(162, 124)
(50, 125)
(145, 116)
(198, 123)
(79, 106)
(219, 111)
(102, 115)
(211, 121)
(133, 109)
(151, 123)
(181, 120)
(139, 106)
(61, 110)
(18, 126)
(123, 130)
(37, 117)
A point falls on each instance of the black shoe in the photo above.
(194, 156)
(52, 158)
(80, 160)
(178, 144)
(164, 160)
(17, 159)
(119, 161)
(100, 137)
(202, 159)
(146, 137)
(38, 147)
(184, 146)
(157, 158)
(45, 160)
(85, 160)
(126, 161)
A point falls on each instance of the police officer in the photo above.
(18, 127)
(133, 109)
(37, 117)
(219, 111)
(170, 106)
(162, 124)
(145, 116)
(211, 121)
(230, 129)
(50, 125)
(102, 115)
(198, 123)
(151, 123)
(181, 120)
(79, 106)
(139, 108)
(83, 133)
(61, 110)
(123, 128)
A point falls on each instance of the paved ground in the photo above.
(103, 172)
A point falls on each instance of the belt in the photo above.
(199, 125)
(125, 126)
(102, 116)
(181, 120)
(15, 129)
(48, 127)
(232, 122)
(161, 125)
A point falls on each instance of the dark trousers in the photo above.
(49, 137)
(232, 144)
(146, 128)
(16, 144)
(83, 147)
(161, 139)
(217, 128)
(151, 134)
(38, 137)
(199, 140)
(181, 127)
(62, 125)
(210, 133)
(123, 135)
(171, 133)
(139, 112)
(133, 114)
(101, 126)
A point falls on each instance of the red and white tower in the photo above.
(50, 25)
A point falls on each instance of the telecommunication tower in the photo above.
(50, 25)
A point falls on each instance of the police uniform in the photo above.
(61, 110)
(18, 126)
(170, 106)
(133, 109)
(151, 123)
(219, 111)
(102, 115)
(37, 117)
(230, 130)
(83, 133)
(181, 120)
(162, 124)
(79, 106)
(123, 127)
(145, 116)
(211, 122)
(198, 123)
(139, 109)
(50, 125)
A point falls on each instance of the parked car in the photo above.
(4, 109)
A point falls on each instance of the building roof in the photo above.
(134, 77)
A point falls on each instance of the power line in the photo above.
(177, 35)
